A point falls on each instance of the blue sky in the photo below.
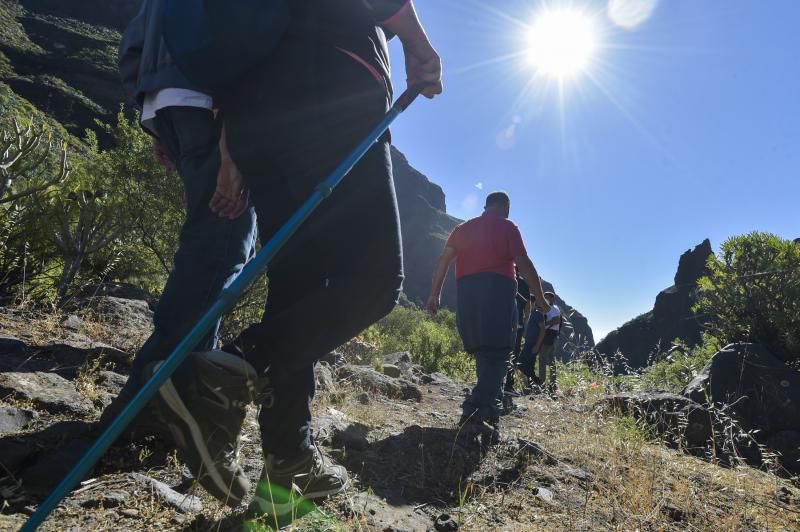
(683, 128)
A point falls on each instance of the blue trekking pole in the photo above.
(226, 301)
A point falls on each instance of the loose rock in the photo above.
(72, 322)
(370, 380)
(445, 523)
(48, 390)
(184, 503)
(544, 494)
(15, 419)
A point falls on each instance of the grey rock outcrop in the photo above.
(670, 318)
(752, 386)
(47, 390)
(368, 379)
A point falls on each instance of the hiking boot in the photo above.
(146, 423)
(485, 429)
(287, 484)
(204, 406)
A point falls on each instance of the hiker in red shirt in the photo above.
(486, 250)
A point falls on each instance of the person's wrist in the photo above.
(415, 41)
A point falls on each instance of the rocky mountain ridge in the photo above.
(670, 318)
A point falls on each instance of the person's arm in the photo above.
(531, 276)
(439, 275)
(231, 196)
(130, 53)
(423, 64)
(526, 313)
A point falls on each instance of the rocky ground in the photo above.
(561, 465)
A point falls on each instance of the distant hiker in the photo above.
(552, 328)
(486, 249)
(287, 123)
(534, 336)
(211, 250)
(523, 311)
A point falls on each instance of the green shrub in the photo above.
(434, 342)
(752, 293)
(680, 366)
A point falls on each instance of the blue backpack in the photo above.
(214, 42)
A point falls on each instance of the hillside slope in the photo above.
(560, 465)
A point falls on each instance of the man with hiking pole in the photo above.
(486, 250)
(322, 251)
(287, 123)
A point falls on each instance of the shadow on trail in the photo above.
(420, 465)
(35, 462)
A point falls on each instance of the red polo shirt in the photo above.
(487, 243)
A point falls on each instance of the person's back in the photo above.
(486, 250)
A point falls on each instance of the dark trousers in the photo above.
(288, 127)
(211, 251)
(509, 385)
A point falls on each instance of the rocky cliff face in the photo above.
(670, 318)
(62, 56)
(426, 226)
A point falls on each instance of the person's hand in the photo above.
(432, 305)
(423, 65)
(231, 197)
(162, 157)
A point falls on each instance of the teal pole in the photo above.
(225, 303)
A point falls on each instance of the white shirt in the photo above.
(155, 101)
(553, 313)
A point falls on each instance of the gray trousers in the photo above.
(547, 359)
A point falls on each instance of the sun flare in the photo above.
(561, 43)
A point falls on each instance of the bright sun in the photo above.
(561, 43)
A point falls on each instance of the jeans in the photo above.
(485, 400)
(288, 127)
(211, 250)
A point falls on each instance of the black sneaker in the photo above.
(485, 430)
(286, 486)
(145, 424)
(204, 406)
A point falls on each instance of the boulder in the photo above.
(47, 390)
(118, 290)
(750, 385)
(15, 419)
(682, 420)
(393, 371)
(368, 379)
(787, 444)
(131, 314)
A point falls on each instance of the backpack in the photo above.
(214, 42)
